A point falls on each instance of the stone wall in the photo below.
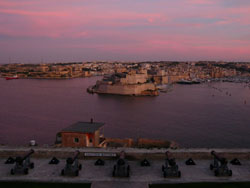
(134, 79)
(131, 153)
(125, 89)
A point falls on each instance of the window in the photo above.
(90, 140)
(76, 140)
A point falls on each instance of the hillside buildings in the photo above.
(158, 72)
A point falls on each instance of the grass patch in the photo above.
(203, 185)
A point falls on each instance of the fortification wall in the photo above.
(131, 153)
(125, 89)
(134, 79)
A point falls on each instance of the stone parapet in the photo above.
(131, 153)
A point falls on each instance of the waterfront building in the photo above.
(80, 134)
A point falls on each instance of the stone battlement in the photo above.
(131, 153)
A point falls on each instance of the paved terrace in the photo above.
(100, 176)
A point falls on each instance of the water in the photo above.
(191, 115)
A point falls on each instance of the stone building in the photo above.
(80, 134)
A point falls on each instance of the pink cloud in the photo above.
(32, 13)
(179, 44)
(201, 2)
(145, 29)
(59, 23)
(4, 3)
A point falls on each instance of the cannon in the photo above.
(23, 164)
(170, 169)
(121, 168)
(219, 165)
(72, 166)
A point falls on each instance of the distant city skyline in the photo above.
(117, 30)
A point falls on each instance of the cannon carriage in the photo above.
(72, 166)
(121, 168)
(170, 169)
(219, 165)
(23, 164)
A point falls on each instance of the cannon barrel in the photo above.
(216, 155)
(21, 159)
(167, 154)
(76, 155)
(122, 155)
(169, 159)
(71, 160)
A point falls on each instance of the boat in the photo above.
(11, 77)
(165, 88)
(188, 82)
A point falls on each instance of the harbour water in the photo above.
(205, 115)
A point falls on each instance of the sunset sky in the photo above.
(124, 30)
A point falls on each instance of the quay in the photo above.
(101, 176)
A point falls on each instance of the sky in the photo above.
(35, 31)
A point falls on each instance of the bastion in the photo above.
(101, 176)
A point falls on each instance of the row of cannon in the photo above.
(121, 167)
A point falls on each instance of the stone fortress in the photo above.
(126, 84)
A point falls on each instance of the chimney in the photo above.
(91, 120)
